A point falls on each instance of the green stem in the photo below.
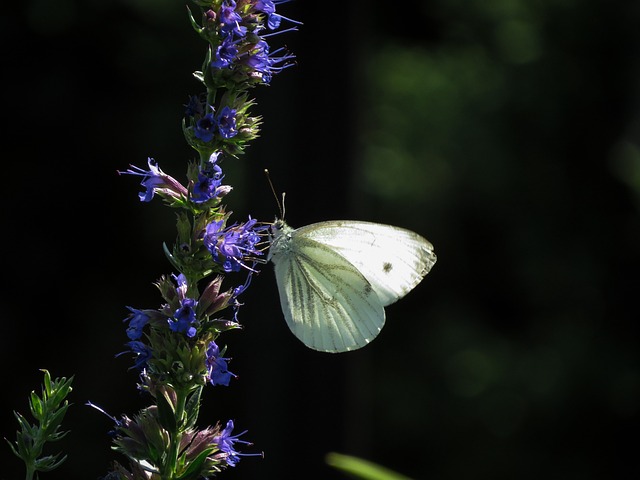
(211, 96)
(175, 437)
(204, 156)
(37, 447)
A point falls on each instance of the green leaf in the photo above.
(362, 468)
(166, 413)
(24, 443)
(36, 406)
(61, 387)
(54, 421)
(192, 408)
(50, 462)
(47, 381)
(174, 262)
(13, 448)
(194, 470)
(25, 426)
(57, 436)
(194, 24)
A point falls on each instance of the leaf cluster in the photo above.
(48, 411)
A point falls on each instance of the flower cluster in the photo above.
(240, 50)
(205, 187)
(238, 58)
(176, 343)
(231, 246)
(208, 183)
(176, 348)
(210, 448)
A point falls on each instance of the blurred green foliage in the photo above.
(508, 136)
(357, 468)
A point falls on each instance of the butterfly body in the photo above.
(335, 278)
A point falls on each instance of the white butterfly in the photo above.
(336, 277)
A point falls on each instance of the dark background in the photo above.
(506, 132)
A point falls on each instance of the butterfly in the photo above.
(335, 278)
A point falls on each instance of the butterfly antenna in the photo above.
(282, 210)
(273, 190)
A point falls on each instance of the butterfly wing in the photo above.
(393, 259)
(327, 303)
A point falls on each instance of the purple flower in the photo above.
(232, 246)
(209, 180)
(269, 8)
(226, 121)
(218, 373)
(194, 108)
(205, 127)
(225, 442)
(156, 181)
(273, 21)
(229, 20)
(142, 352)
(265, 6)
(225, 53)
(137, 320)
(236, 293)
(265, 64)
(183, 285)
(184, 318)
